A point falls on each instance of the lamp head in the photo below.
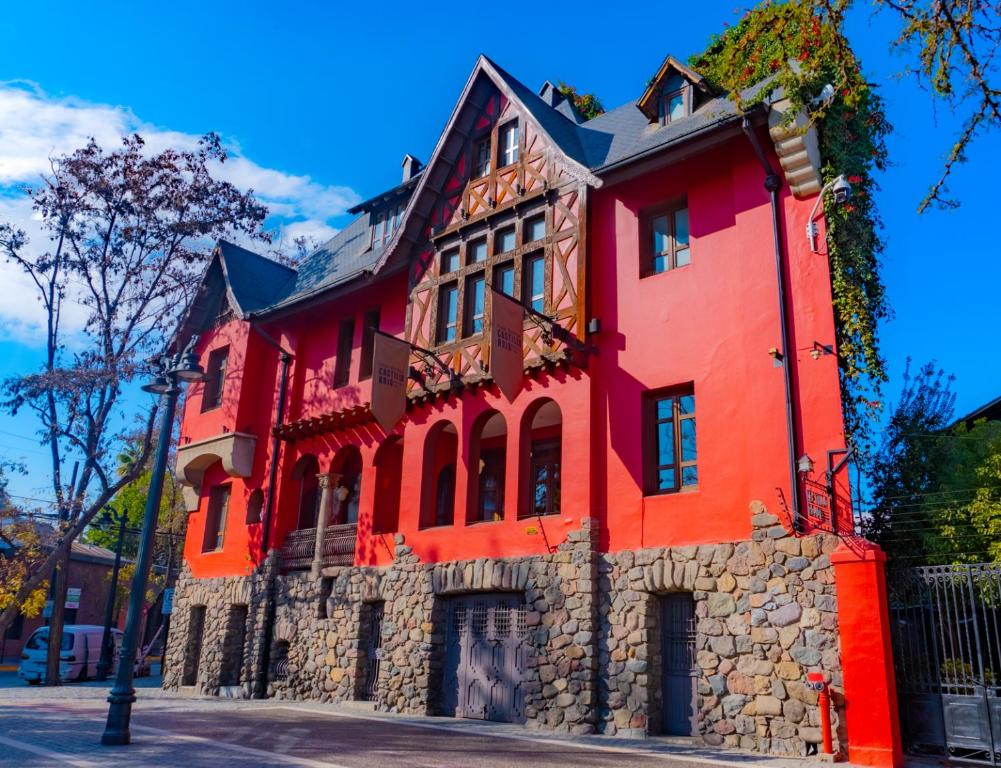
(805, 464)
(157, 385)
(842, 190)
(188, 368)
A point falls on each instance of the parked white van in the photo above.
(78, 656)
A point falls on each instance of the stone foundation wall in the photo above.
(765, 615)
(321, 622)
(217, 596)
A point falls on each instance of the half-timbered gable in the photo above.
(501, 207)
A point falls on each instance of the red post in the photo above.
(872, 723)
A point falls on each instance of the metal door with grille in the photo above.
(372, 615)
(486, 654)
(679, 674)
(946, 624)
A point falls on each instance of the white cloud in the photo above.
(35, 127)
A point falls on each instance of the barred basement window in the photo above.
(670, 455)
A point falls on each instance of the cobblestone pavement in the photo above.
(62, 726)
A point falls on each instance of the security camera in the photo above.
(841, 190)
(825, 97)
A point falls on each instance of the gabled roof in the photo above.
(553, 125)
(647, 103)
(343, 257)
(591, 150)
(253, 281)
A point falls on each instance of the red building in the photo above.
(626, 544)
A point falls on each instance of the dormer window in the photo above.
(385, 223)
(673, 93)
(675, 101)
(509, 143)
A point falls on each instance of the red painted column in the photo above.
(873, 725)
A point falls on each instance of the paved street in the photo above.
(62, 726)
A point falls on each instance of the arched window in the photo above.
(542, 435)
(388, 478)
(487, 462)
(444, 502)
(254, 506)
(438, 485)
(304, 475)
(347, 464)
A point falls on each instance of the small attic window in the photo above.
(384, 224)
(675, 100)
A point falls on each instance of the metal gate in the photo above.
(372, 617)
(679, 674)
(946, 623)
(486, 654)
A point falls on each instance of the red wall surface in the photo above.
(709, 324)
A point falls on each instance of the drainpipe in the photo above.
(773, 183)
(271, 566)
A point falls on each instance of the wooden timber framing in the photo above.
(468, 209)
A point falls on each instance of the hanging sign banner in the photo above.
(507, 326)
(390, 366)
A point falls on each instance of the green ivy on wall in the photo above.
(802, 50)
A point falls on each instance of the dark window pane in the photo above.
(665, 480)
(688, 439)
(474, 304)
(448, 308)
(450, 261)
(676, 106)
(504, 279)
(665, 408)
(477, 251)
(661, 235)
(481, 158)
(665, 443)
(689, 476)
(505, 240)
(535, 283)
(681, 227)
(345, 342)
(535, 229)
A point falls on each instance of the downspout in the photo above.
(773, 183)
(264, 651)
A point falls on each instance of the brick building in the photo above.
(624, 541)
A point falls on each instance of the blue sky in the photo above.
(322, 100)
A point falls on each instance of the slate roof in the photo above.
(346, 255)
(255, 281)
(599, 144)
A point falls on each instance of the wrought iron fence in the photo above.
(946, 624)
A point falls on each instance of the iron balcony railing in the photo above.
(296, 554)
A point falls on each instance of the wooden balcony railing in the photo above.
(296, 554)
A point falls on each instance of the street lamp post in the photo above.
(107, 644)
(182, 367)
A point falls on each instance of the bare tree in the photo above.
(128, 235)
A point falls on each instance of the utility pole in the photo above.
(107, 643)
(60, 585)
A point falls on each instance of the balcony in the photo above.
(296, 554)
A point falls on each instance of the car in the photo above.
(79, 654)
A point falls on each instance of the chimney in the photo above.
(550, 94)
(411, 167)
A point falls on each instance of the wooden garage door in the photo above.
(486, 654)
